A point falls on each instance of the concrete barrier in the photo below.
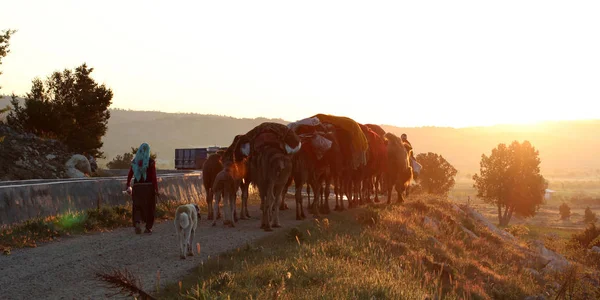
(23, 200)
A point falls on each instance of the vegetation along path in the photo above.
(65, 269)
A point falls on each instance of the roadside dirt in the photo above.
(65, 269)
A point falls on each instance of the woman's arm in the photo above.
(129, 176)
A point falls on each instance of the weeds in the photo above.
(370, 253)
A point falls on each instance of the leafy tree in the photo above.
(510, 179)
(437, 174)
(120, 161)
(4, 43)
(124, 161)
(565, 211)
(589, 216)
(69, 106)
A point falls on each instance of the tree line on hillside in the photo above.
(69, 106)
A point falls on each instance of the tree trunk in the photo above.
(505, 219)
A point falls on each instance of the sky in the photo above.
(403, 63)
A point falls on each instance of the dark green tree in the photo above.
(589, 216)
(121, 161)
(510, 179)
(437, 174)
(4, 44)
(69, 106)
(565, 211)
(124, 161)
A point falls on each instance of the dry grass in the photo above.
(39, 230)
(381, 252)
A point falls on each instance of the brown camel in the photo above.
(212, 166)
(271, 167)
(234, 155)
(224, 187)
(399, 171)
(270, 146)
(307, 168)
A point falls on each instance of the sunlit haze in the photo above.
(404, 63)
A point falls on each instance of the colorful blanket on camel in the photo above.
(360, 144)
(272, 131)
(377, 149)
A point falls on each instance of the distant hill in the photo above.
(565, 146)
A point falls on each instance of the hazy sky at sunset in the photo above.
(405, 63)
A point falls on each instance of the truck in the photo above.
(193, 158)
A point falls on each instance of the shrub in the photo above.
(565, 211)
(588, 236)
(518, 230)
(589, 217)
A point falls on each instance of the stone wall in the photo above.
(20, 201)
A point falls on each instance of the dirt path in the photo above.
(64, 269)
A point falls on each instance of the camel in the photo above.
(234, 155)
(269, 147)
(270, 167)
(224, 187)
(398, 173)
(377, 155)
(308, 168)
(212, 166)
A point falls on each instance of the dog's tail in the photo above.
(184, 220)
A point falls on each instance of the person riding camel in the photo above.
(407, 144)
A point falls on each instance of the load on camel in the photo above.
(314, 165)
(269, 147)
(350, 155)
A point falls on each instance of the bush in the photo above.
(518, 230)
(589, 217)
(588, 236)
(437, 175)
(565, 211)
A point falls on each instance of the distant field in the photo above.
(578, 192)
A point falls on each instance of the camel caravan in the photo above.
(359, 161)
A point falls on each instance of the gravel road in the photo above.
(64, 269)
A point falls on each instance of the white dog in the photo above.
(186, 221)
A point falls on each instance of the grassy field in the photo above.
(577, 192)
(418, 250)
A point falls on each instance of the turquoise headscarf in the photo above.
(141, 161)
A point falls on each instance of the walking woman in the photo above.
(144, 190)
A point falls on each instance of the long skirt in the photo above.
(144, 204)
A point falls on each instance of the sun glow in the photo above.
(449, 63)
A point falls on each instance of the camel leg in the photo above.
(216, 206)
(244, 215)
(376, 187)
(299, 209)
(326, 192)
(234, 205)
(400, 192)
(268, 208)
(317, 193)
(277, 197)
(232, 209)
(339, 196)
(226, 208)
(209, 200)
